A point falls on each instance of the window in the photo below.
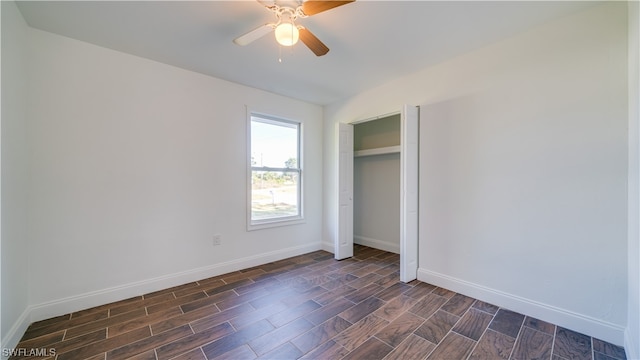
(275, 184)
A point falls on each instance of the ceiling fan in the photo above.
(287, 32)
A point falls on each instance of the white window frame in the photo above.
(282, 220)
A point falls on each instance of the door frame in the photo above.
(343, 244)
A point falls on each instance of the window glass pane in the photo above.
(273, 144)
(275, 172)
(274, 194)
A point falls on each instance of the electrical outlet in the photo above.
(217, 239)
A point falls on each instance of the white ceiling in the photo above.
(371, 42)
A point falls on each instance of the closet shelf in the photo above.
(377, 151)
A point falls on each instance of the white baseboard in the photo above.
(15, 333)
(587, 325)
(376, 244)
(631, 346)
(95, 298)
(329, 247)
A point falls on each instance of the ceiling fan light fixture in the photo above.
(286, 31)
(287, 34)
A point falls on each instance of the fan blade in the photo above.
(312, 42)
(253, 35)
(312, 7)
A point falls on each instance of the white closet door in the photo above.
(344, 237)
(409, 194)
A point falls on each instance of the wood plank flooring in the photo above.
(307, 307)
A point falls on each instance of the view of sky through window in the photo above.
(272, 146)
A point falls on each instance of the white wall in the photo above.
(14, 244)
(135, 165)
(523, 170)
(632, 336)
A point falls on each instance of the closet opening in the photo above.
(383, 160)
(376, 183)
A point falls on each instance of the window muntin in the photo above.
(275, 173)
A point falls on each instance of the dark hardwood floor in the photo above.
(310, 307)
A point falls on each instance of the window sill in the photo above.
(266, 224)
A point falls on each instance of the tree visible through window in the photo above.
(275, 170)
